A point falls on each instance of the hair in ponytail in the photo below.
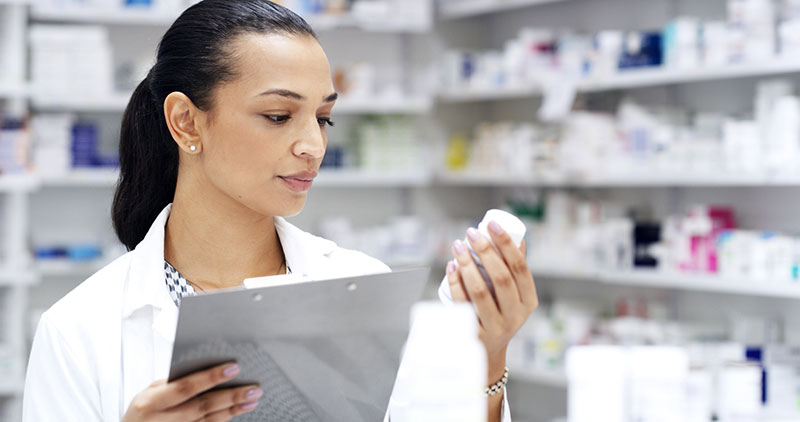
(193, 57)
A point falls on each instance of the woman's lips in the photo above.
(299, 182)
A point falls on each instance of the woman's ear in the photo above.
(182, 118)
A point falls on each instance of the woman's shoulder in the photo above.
(350, 257)
(318, 250)
(96, 298)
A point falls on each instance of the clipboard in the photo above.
(322, 351)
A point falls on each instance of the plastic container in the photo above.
(443, 374)
(510, 223)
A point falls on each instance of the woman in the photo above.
(222, 139)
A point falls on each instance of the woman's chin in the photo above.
(292, 207)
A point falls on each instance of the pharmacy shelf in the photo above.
(117, 102)
(17, 183)
(143, 17)
(550, 378)
(327, 178)
(16, 277)
(374, 178)
(81, 178)
(114, 103)
(675, 281)
(62, 268)
(456, 9)
(371, 178)
(11, 389)
(131, 16)
(391, 106)
(635, 179)
(323, 23)
(13, 91)
(638, 78)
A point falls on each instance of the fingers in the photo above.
(505, 288)
(218, 403)
(231, 412)
(514, 258)
(475, 286)
(454, 280)
(180, 391)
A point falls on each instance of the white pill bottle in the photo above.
(510, 223)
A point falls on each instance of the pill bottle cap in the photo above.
(509, 222)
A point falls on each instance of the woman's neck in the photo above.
(216, 242)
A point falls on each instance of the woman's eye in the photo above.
(277, 118)
(325, 121)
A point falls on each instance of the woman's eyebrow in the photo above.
(283, 93)
(291, 94)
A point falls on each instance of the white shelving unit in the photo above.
(67, 269)
(106, 178)
(13, 91)
(631, 79)
(322, 23)
(114, 103)
(11, 388)
(17, 183)
(456, 9)
(15, 276)
(117, 102)
(81, 178)
(130, 16)
(10, 276)
(550, 378)
(676, 281)
(623, 180)
(366, 178)
(392, 106)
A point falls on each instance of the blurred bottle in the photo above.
(443, 374)
(457, 152)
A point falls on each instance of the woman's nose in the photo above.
(311, 142)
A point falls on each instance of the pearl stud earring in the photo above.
(193, 148)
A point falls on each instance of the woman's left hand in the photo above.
(515, 298)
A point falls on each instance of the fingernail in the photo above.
(231, 370)
(459, 246)
(451, 267)
(473, 234)
(249, 406)
(254, 393)
(495, 228)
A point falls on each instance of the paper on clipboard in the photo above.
(275, 280)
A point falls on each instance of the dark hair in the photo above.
(193, 58)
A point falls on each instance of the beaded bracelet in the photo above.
(498, 386)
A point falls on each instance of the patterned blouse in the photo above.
(179, 287)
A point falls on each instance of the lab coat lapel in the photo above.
(306, 254)
(149, 315)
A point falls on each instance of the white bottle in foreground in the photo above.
(442, 377)
(510, 223)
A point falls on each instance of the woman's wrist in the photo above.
(497, 366)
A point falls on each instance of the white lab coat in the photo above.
(111, 337)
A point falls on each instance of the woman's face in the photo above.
(264, 139)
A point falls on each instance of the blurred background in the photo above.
(651, 146)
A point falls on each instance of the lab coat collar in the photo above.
(145, 284)
(303, 251)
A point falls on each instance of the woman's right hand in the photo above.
(189, 398)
